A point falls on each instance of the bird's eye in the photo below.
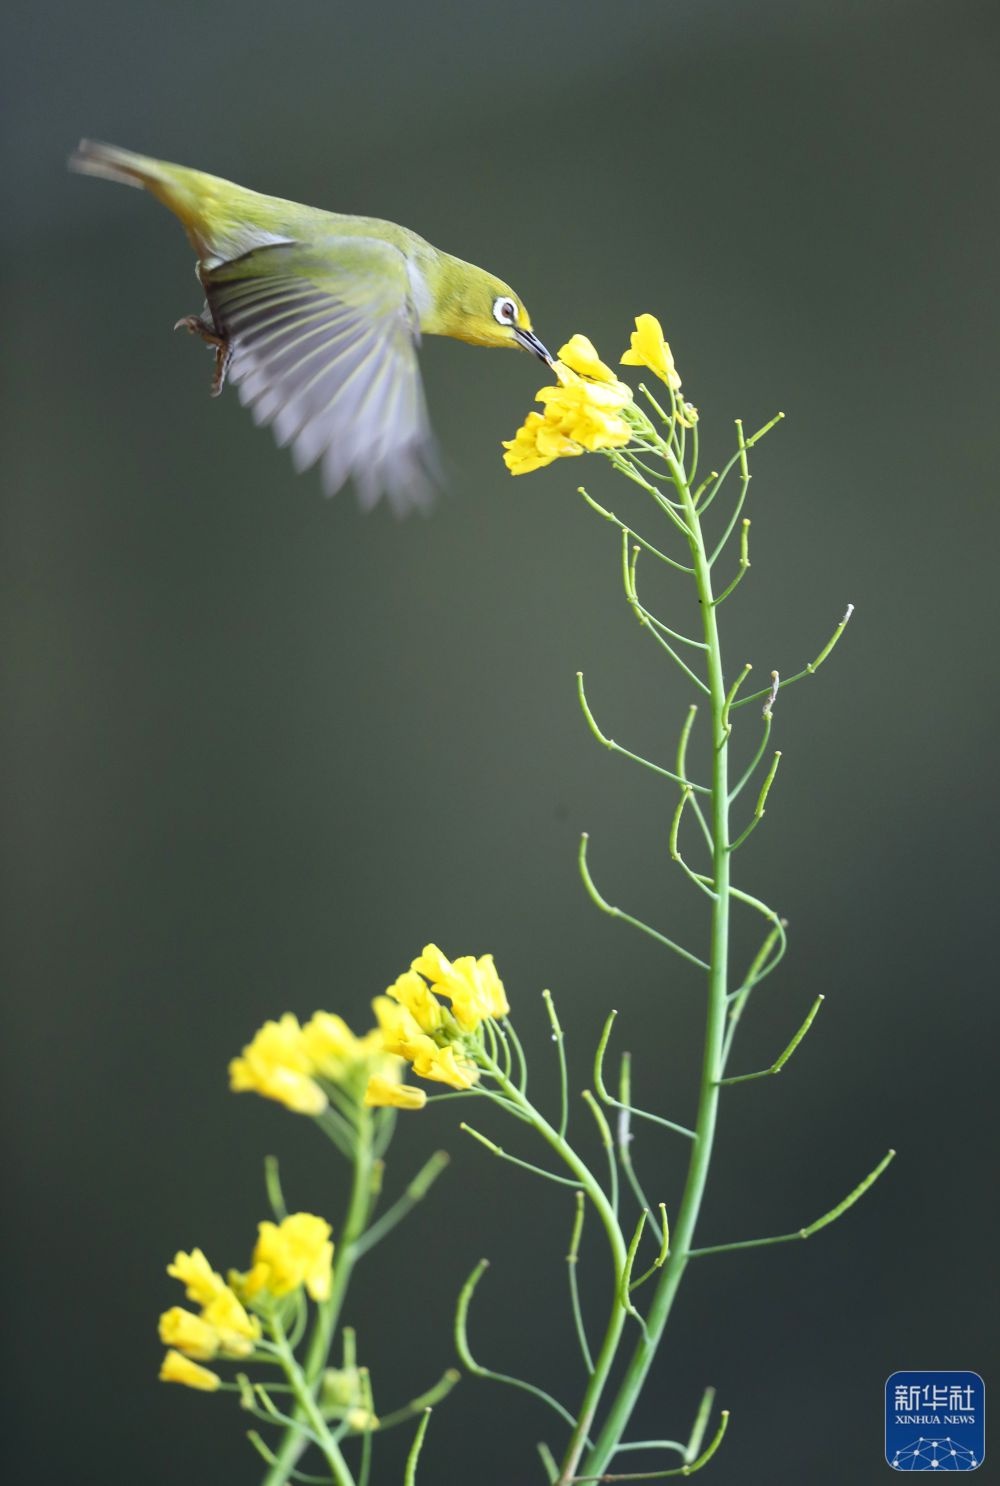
(505, 311)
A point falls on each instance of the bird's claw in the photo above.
(195, 325)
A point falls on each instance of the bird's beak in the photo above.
(529, 340)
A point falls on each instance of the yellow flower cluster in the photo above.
(296, 1252)
(583, 413)
(435, 1038)
(290, 1063)
(223, 1328)
(285, 1061)
(587, 411)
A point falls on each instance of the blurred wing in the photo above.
(327, 356)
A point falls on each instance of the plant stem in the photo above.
(624, 1401)
(293, 1444)
(309, 1410)
(619, 1256)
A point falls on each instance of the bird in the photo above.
(316, 318)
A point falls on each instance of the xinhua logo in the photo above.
(935, 1421)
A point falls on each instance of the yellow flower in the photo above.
(583, 413)
(535, 445)
(580, 355)
(400, 1029)
(335, 1052)
(188, 1333)
(285, 1061)
(178, 1369)
(403, 1036)
(648, 348)
(473, 986)
(277, 1064)
(432, 964)
(329, 1045)
(236, 1330)
(587, 413)
(444, 1065)
(383, 1092)
(411, 992)
(223, 1328)
(416, 1026)
(294, 1252)
(194, 1271)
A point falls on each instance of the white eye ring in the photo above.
(505, 311)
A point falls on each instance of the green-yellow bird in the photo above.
(316, 317)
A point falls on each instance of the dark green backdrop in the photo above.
(259, 749)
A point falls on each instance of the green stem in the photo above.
(292, 1443)
(619, 1257)
(624, 1401)
(416, 1191)
(309, 1411)
(574, 1286)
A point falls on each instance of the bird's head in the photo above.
(475, 306)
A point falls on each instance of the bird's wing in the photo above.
(323, 347)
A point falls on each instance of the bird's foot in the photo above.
(195, 325)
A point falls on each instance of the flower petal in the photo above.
(382, 1093)
(580, 355)
(178, 1369)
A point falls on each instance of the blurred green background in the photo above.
(259, 749)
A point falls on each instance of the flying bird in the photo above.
(316, 317)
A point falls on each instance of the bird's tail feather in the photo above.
(189, 194)
(91, 157)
